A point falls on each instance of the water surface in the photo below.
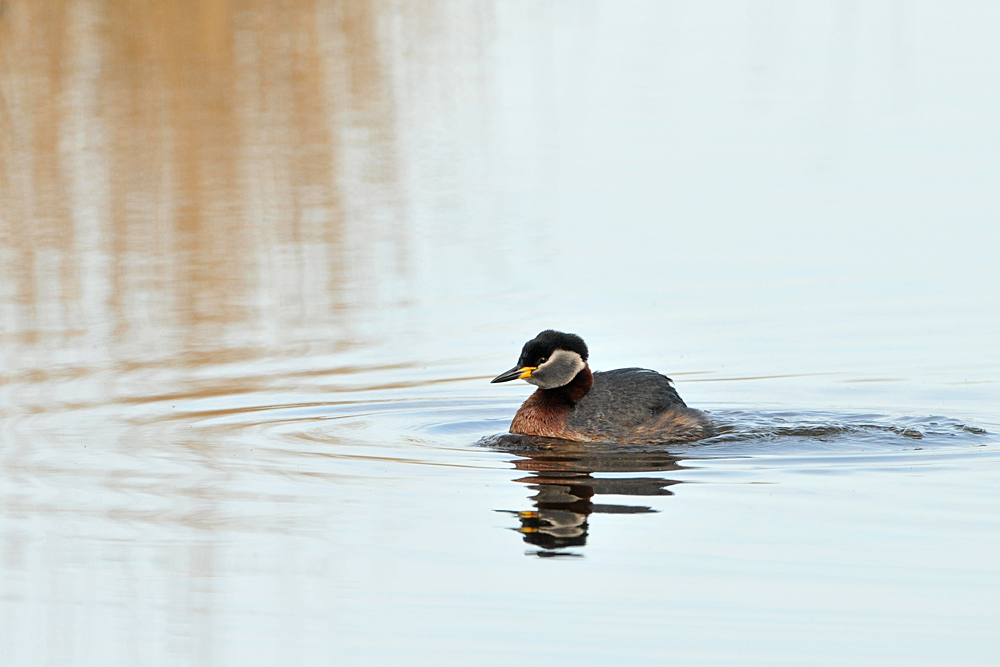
(258, 265)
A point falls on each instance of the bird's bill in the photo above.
(516, 373)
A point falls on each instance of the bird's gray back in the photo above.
(623, 399)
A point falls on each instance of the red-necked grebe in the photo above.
(626, 405)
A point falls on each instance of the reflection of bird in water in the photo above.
(627, 405)
(562, 476)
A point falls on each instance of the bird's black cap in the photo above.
(547, 342)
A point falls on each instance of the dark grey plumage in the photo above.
(637, 404)
(627, 395)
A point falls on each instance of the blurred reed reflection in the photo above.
(199, 201)
(563, 479)
(174, 176)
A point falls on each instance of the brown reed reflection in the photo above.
(171, 174)
(185, 187)
(566, 477)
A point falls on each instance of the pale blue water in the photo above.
(257, 267)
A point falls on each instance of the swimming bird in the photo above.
(626, 405)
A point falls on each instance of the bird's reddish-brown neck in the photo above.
(567, 395)
(546, 411)
(579, 387)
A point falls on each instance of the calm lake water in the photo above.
(259, 261)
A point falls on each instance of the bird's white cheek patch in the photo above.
(559, 370)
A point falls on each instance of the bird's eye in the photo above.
(542, 360)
